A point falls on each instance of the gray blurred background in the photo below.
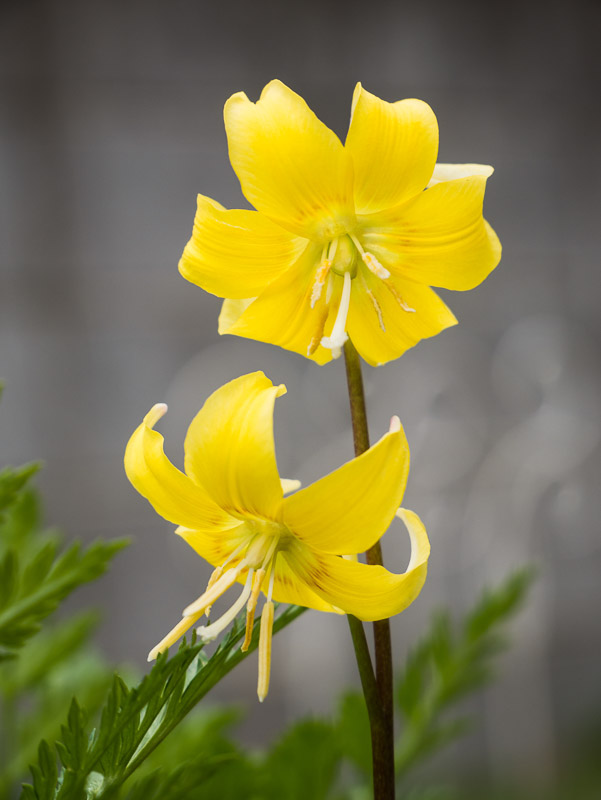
(112, 122)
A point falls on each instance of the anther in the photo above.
(375, 303)
(265, 650)
(215, 575)
(173, 635)
(398, 298)
(220, 586)
(370, 261)
(209, 632)
(250, 608)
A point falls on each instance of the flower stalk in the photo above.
(381, 719)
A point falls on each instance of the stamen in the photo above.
(338, 336)
(398, 298)
(220, 586)
(209, 632)
(319, 327)
(370, 260)
(234, 553)
(271, 580)
(215, 575)
(374, 302)
(173, 635)
(323, 270)
(250, 608)
(265, 650)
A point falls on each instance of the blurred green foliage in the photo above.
(41, 670)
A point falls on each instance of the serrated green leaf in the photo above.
(134, 722)
(45, 581)
(12, 482)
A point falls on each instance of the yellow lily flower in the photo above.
(230, 507)
(345, 242)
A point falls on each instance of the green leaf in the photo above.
(38, 585)
(135, 721)
(12, 482)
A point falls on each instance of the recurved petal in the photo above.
(236, 253)
(394, 147)
(450, 172)
(440, 238)
(282, 314)
(348, 510)
(172, 494)
(388, 317)
(367, 592)
(291, 167)
(230, 449)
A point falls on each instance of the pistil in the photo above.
(338, 336)
(208, 633)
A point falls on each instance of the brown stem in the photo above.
(383, 732)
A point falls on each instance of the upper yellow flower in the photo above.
(345, 241)
(230, 507)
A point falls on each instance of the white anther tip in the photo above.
(395, 424)
(205, 635)
(153, 654)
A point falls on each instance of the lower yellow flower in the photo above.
(230, 507)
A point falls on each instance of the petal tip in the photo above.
(395, 424)
(154, 415)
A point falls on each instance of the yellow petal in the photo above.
(394, 147)
(291, 167)
(282, 314)
(450, 172)
(290, 485)
(287, 588)
(230, 449)
(216, 545)
(440, 238)
(379, 324)
(172, 494)
(236, 253)
(231, 311)
(368, 592)
(351, 508)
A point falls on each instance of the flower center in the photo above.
(260, 548)
(341, 257)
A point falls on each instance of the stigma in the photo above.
(257, 556)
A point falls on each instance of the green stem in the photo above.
(383, 731)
